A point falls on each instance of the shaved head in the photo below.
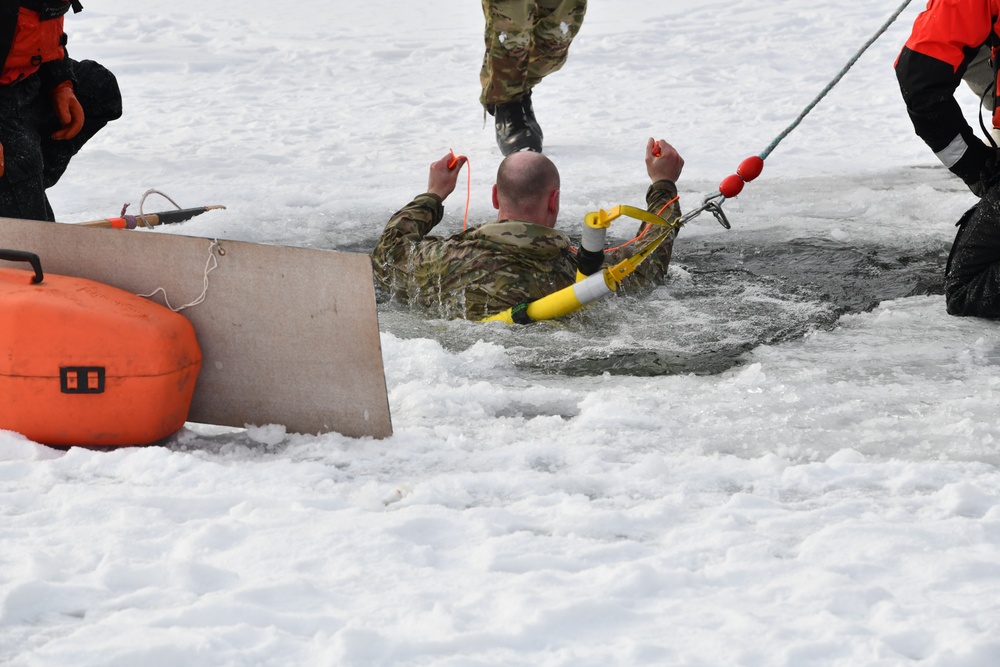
(526, 182)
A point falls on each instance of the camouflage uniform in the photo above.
(525, 41)
(487, 269)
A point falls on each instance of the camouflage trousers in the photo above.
(526, 40)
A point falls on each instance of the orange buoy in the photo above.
(731, 186)
(750, 168)
(86, 364)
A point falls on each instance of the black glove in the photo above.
(989, 173)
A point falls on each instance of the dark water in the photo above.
(727, 295)
(849, 277)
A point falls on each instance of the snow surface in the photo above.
(823, 491)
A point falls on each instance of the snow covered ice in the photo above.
(785, 456)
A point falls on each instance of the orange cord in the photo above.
(644, 231)
(664, 207)
(468, 191)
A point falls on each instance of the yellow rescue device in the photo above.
(588, 289)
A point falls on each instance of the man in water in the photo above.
(518, 258)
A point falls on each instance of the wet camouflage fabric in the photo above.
(485, 270)
(525, 41)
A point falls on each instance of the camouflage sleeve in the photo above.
(405, 229)
(653, 270)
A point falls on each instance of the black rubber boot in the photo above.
(529, 113)
(516, 127)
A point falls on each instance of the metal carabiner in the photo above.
(711, 205)
(716, 209)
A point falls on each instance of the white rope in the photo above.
(210, 266)
(152, 191)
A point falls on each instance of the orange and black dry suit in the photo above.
(35, 61)
(945, 38)
(31, 36)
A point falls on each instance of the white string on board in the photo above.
(210, 265)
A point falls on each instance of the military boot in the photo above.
(516, 130)
(529, 113)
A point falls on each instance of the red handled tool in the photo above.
(468, 195)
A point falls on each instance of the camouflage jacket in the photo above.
(487, 269)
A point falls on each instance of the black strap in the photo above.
(519, 314)
(8, 25)
(993, 42)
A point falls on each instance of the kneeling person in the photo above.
(518, 258)
(50, 104)
(972, 279)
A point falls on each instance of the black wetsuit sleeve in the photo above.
(928, 88)
(56, 71)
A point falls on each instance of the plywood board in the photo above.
(288, 335)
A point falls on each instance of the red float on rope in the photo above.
(731, 186)
(750, 168)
